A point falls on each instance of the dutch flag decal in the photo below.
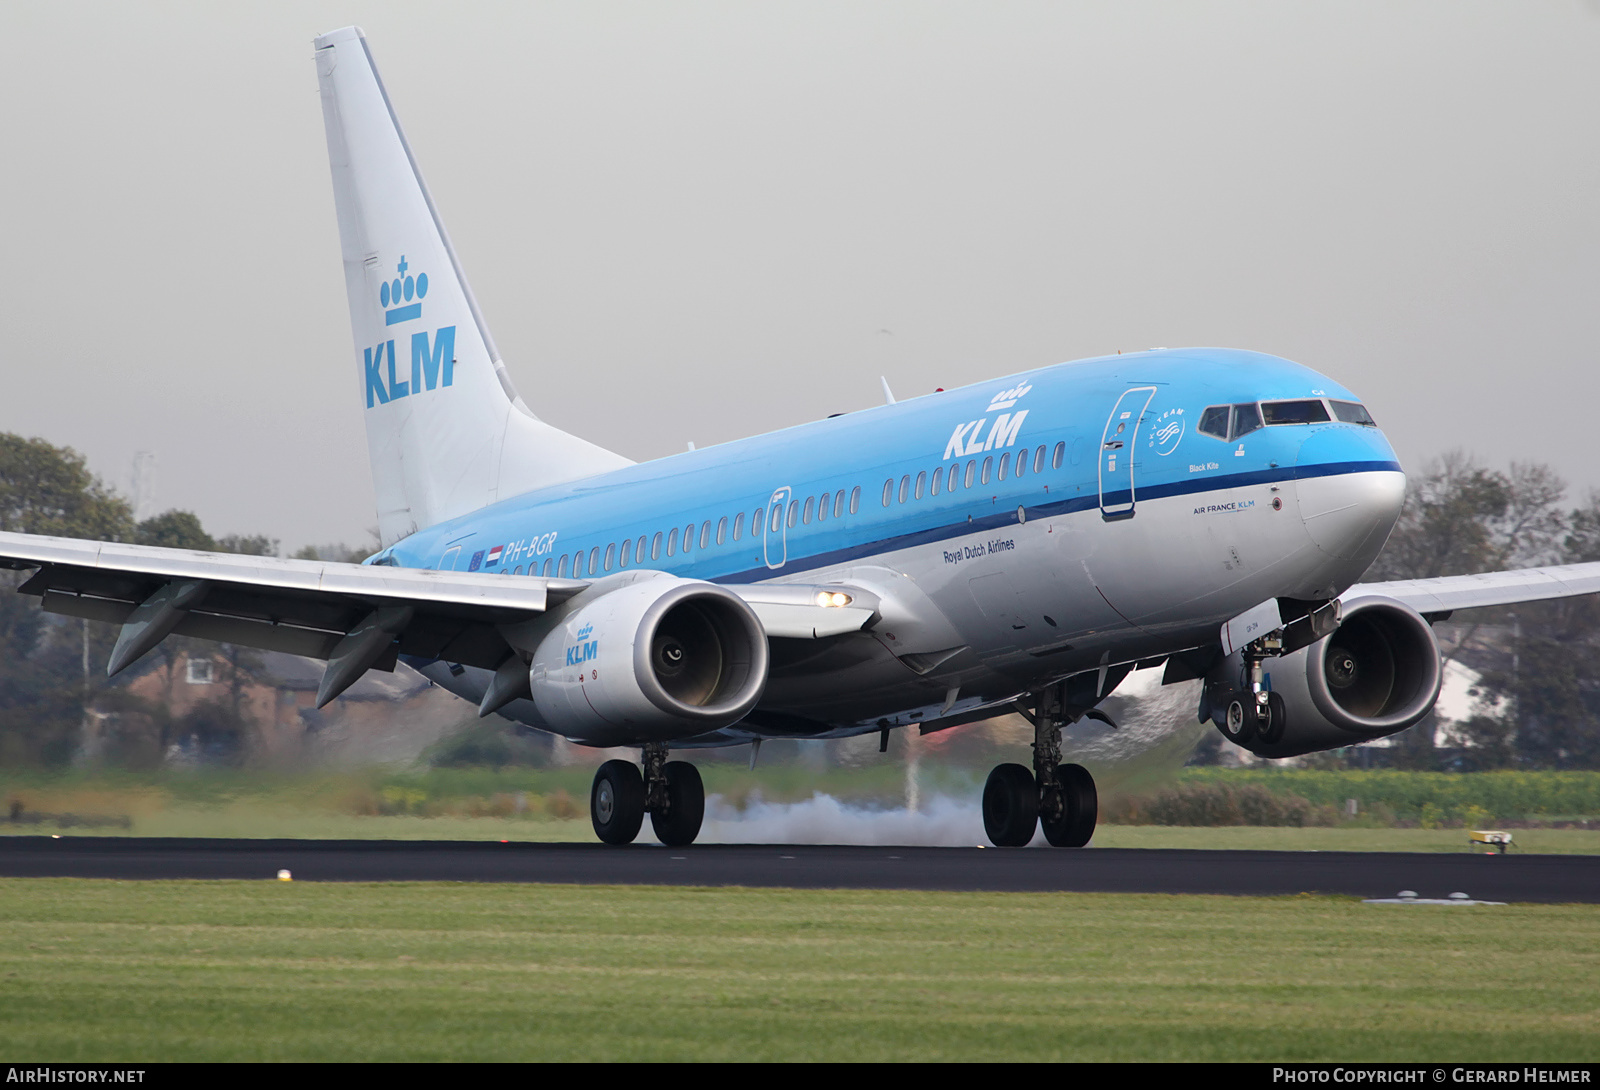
(494, 555)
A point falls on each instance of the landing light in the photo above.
(832, 599)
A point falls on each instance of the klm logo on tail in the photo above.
(405, 288)
(433, 363)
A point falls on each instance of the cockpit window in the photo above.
(1214, 421)
(1230, 421)
(1294, 412)
(1353, 412)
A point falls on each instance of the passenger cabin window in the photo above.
(672, 541)
(888, 491)
(627, 554)
(936, 482)
(1293, 412)
(905, 487)
(1353, 412)
(611, 556)
(738, 526)
(1005, 466)
(988, 465)
(722, 530)
(1058, 455)
(561, 572)
(805, 516)
(655, 547)
(855, 499)
(688, 537)
(922, 485)
(594, 560)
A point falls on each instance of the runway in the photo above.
(1543, 878)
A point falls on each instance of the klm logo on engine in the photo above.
(433, 359)
(586, 650)
(990, 432)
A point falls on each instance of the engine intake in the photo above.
(656, 659)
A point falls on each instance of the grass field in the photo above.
(144, 971)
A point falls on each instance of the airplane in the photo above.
(1021, 544)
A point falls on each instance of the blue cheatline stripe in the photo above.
(402, 314)
(1008, 517)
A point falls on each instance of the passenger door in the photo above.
(1116, 453)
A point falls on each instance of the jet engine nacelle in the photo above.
(1377, 674)
(657, 659)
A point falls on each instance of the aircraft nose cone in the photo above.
(1350, 490)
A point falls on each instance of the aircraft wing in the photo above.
(1436, 598)
(354, 616)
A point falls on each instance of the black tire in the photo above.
(616, 802)
(686, 806)
(1080, 809)
(1239, 718)
(1010, 806)
(1270, 733)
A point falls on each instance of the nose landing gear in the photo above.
(671, 792)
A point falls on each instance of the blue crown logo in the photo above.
(405, 292)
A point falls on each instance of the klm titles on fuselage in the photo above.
(989, 433)
(433, 361)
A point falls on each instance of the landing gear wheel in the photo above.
(1010, 806)
(1074, 825)
(616, 802)
(679, 823)
(1270, 733)
(1239, 721)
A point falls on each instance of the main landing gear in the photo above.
(1058, 798)
(669, 791)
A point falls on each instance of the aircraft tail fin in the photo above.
(446, 431)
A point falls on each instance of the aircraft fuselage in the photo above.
(1138, 523)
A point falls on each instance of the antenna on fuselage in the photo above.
(888, 394)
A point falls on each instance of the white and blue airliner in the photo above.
(1016, 545)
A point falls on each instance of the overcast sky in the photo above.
(703, 221)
